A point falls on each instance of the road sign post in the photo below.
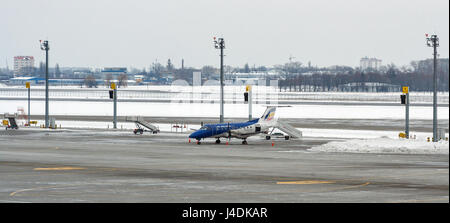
(27, 84)
(113, 86)
(405, 91)
(248, 90)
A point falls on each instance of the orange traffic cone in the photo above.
(273, 143)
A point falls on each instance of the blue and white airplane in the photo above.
(240, 130)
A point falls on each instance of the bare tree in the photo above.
(123, 80)
(108, 79)
(90, 82)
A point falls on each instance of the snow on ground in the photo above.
(230, 110)
(385, 145)
(360, 134)
(212, 92)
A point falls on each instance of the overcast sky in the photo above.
(135, 33)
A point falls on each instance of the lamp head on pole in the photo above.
(432, 41)
(219, 44)
(44, 45)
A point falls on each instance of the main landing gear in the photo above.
(218, 142)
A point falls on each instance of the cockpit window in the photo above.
(204, 128)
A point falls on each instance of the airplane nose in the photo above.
(193, 135)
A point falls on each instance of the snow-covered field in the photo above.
(212, 110)
(385, 145)
(361, 134)
(233, 92)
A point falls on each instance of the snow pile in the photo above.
(385, 145)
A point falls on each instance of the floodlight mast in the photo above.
(45, 46)
(220, 44)
(433, 41)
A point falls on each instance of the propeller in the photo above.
(229, 132)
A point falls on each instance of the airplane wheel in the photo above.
(286, 137)
(218, 141)
(267, 137)
(198, 142)
(244, 142)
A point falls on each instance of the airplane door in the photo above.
(257, 128)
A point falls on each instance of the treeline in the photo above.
(418, 76)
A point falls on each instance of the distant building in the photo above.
(251, 76)
(115, 72)
(23, 65)
(369, 63)
(20, 81)
(81, 73)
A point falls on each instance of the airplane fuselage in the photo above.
(240, 130)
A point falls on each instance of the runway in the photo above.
(117, 166)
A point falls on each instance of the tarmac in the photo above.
(417, 125)
(87, 165)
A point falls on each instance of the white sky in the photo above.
(135, 33)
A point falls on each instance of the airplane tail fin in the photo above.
(268, 115)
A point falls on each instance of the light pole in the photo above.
(45, 46)
(433, 41)
(220, 44)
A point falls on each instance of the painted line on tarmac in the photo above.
(421, 201)
(12, 201)
(307, 182)
(60, 168)
(30, 189)
(43, 188)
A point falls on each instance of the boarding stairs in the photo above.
(288, 129)
(139, 120)
(12, 120)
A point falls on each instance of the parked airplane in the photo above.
(240, 130)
